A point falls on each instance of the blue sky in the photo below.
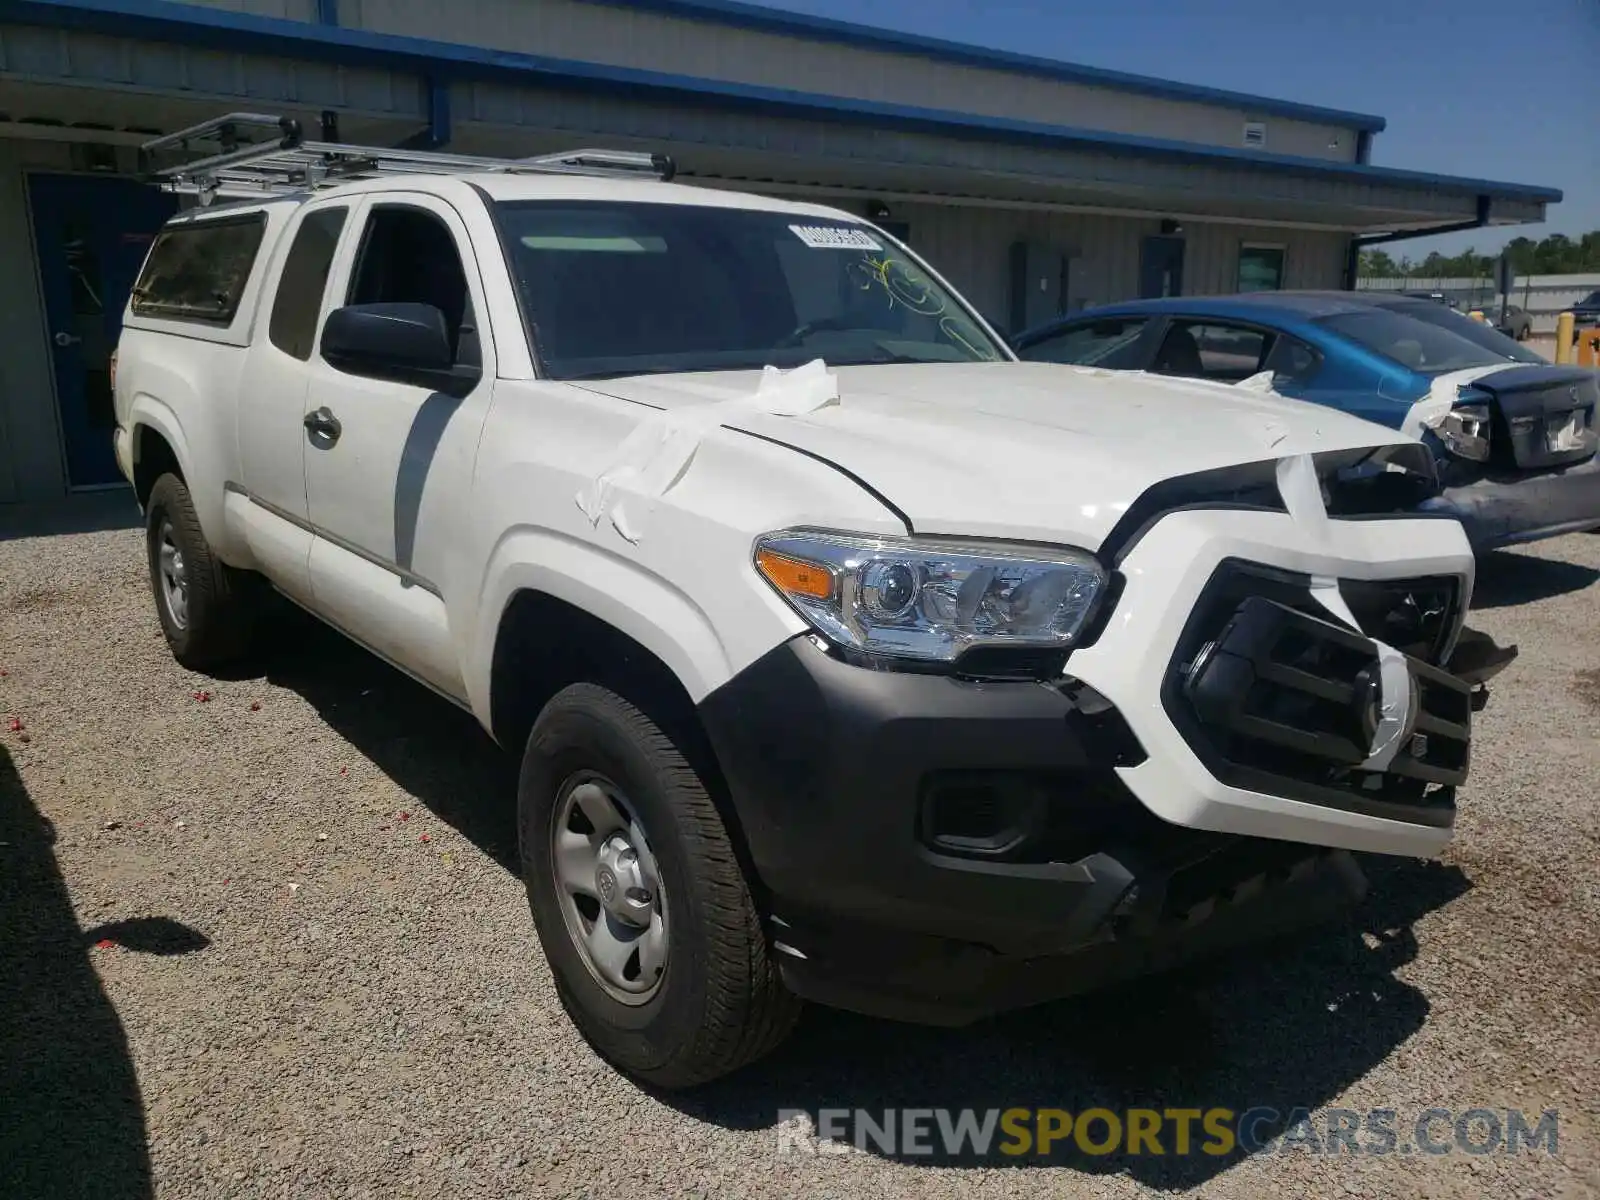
(1496, 89)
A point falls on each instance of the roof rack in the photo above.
(284, 162)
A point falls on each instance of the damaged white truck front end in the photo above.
(1259, 664)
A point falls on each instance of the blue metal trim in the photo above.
(328, 12)
(190, 24)
(438, 111)
(848, 33)
(437, 135)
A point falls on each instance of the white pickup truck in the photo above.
(848, 657)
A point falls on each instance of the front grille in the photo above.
(1275, 696)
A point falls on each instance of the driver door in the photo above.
(389, 464)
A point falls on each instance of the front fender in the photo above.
(652, 611)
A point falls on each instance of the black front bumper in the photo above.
(937, 849)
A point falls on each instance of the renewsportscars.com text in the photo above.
(1215, 1131)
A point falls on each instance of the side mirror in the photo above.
(408, 343)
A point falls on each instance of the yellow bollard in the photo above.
(1476, 315)
(1564, 325)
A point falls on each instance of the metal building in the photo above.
(1038, 187)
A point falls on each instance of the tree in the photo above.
(1378, 265)
(1556, 254)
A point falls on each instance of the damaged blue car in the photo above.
(1514, 437)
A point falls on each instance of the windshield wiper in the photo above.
(886, 358)
(613, 373)
(783, 362)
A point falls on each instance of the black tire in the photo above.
(720, 1003)
(223, 602)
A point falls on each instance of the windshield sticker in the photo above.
(835, 237)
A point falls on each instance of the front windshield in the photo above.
(1430, 339)
(629, 289)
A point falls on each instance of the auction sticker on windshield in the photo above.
(835, 237)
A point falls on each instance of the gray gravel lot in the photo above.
(272, 943)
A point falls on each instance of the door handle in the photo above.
(66, 339)
(322, 423)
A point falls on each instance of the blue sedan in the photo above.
(1513, 435)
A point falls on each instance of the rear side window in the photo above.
(1104, 343)
(1210, 350)
(1293, 360)
(197, 271)
(305, 276)
(1431, 347)
(1229, 353)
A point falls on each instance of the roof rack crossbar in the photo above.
(225, 129)
(286, 163)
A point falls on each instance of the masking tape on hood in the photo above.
(652, 458)
(1302, 496)
(1261, 381)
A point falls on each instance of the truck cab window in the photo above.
(293, 328)
(408, 256)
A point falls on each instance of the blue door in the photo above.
(92, 233)
(1160, 267)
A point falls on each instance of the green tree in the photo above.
(1377, 264)
(1556, 254)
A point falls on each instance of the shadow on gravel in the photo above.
(1276, 1028)
(1505, 579)
(89, 512)
(428, 746)
(149, 935)
(1280, 1027)
(71, 1118)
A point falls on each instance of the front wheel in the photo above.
(638, 898)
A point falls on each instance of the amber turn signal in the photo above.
(794, 577)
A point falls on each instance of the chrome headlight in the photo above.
(932, 600)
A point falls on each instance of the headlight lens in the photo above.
(931, 600)
(1465, 431)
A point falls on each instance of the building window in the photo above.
(1260, 268)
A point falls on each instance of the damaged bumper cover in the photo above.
(1505, 509)
(936, 849)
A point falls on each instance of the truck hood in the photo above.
(1030, 451)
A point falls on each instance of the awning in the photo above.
(485, 100)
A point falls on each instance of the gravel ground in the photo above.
(263, 936)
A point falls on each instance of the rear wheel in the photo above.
(207, 608)
(640, 904)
